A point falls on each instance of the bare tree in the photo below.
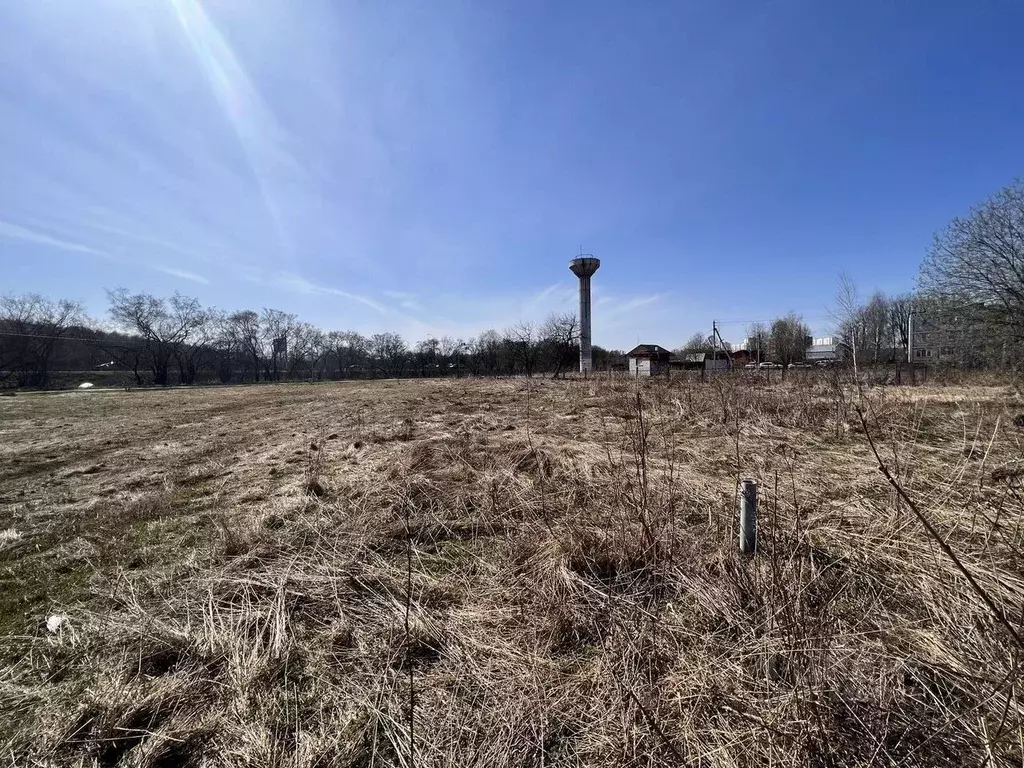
(522, 339)
(163, 325)
(30, 329)
(976, 266)
(320, 352)
(485, 353)
(425, 353)
(351, 350)
(698, 342)
(187, 312)
(874, 317)
(451, 354)
(789, 340)
(243, 328)
(274, 325)
(900, 308)
(758, 338)
(307, 347)
(128, 351)
(226, 346)
(560, 334)
(389, 351)
(848, 317)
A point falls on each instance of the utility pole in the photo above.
(910, 344)
(910, 337)
(717, 336)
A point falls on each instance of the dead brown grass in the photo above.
(509, 573)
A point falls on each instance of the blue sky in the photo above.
(431, 167)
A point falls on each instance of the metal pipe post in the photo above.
(748, 517)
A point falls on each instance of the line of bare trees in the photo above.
(32, 329)
(175, 340)
(875, 330)
(968, 310)
(783, 341)
(972, 284)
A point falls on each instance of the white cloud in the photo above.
(15, 232)
(544, 295)
(299, 284)
(406, 300)
(619, 308)
(148, 239)
(24, 234)
(183, 274)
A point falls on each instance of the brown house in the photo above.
(740, 357)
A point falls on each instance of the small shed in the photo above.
(648, 360)
(695, 361)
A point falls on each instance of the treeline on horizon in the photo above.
(176, 340)
(969, 301)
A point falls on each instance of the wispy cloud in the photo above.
(299, 284)
(183, 274)
(616, 313)
(405, 299)
(148, 239)
(26, 235)
(641, 301)
(541, 297)
(16, 232)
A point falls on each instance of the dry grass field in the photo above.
(510, 573)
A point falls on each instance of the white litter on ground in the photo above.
(85, 385)
(55, 622)
(8, 534)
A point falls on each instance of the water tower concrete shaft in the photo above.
(584, 267)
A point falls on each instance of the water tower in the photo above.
(584, 266)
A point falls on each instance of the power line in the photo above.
(44, 336)
(751, 322)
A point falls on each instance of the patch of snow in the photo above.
(85, 385)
